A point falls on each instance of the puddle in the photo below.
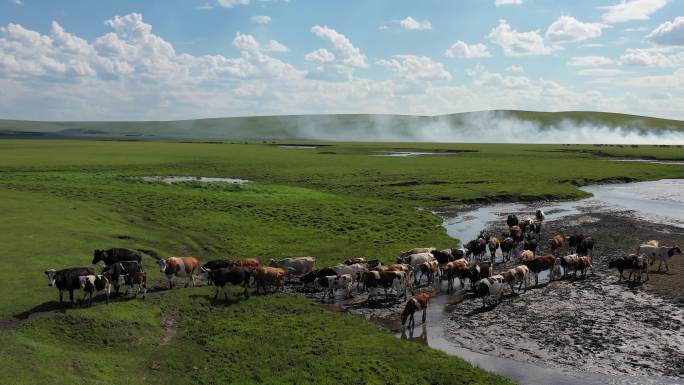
(297, 146)
(406, 154)
(183, 179)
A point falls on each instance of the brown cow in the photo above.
(556, 243)
(269, 276)
(456, 269)
(517, 274)
(585, 262)
(493, 245)
(417, 302)
(539, 264)
(179, 266)
(251, 263)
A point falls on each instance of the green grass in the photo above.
(62, 199)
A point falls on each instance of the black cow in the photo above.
(122, 273)
(67, 279)
(506, 246)
(478, 272)
(312, 276)
(221, 277)
(218, 264)
(443, 256)
(476, 247)
(512, 220)
(112, 256)
(583, 245)
(530, 244)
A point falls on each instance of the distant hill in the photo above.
(321, 127)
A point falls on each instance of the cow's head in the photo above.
(98, 255)
(204, 273)
(272, 263)
(51, 275)
(162, 265)
(675, 250)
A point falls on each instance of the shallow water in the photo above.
(659, 201)
(181, 179)
(680, 162)
(404, 154)
(297, 146)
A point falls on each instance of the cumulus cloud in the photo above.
(589, 61)
(347, 53)
(500, 3)
(249, 43)
(601, 72)
(415, 25)
(322, 55)
(568, 29)
(515, 69)
(260, 19)
(516, 43)
(232, 3)
(628, 10)
(461, 49)
(651, 58)
(412, 67)
(669, 33)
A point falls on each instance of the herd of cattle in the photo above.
(123, 267)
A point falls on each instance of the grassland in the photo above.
(294, 127)
(62, 199)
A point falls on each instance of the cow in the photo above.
(223, 276)
(661, 254)
(556, 243)
(416, 303)
(525, 224)
(112, 256)
(535, 228)
(67, 280)
(539, 264)
(217, 264)
(418, 250)
(512, 220)
(295, 266)
(251, 263)
(639, 266)
(352, 270)
(633, 263)
(179, 267)
(530, 244)
(456, 269)
(120, 273)
(429, 269)
(265, 276)
(585, 262)
(484, 234)
(335, 283)
(493, 245)
(476, 248)
(516, 233)
(477, 272)
(490, 287)
(539, 214)
(354, 260)
(652, 242)
(569, 262)
(583, 245)
(517, 274)
(384, 279)
(506, 246)
(311, 278)
(92, 283)
(443, 256)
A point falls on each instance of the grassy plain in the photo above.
(62, 199)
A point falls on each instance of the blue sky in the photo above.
(159, 60)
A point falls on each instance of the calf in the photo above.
(660, 254)
(639, 266)
(92, 283)
(265, 276)
(67, 280)
(295, 266)
(223, 276)
(506, 246)
(490, 287)
(416, 303)
(517, 274)
(539, 264)
(179, 267)
(493, 245)
(112, 256)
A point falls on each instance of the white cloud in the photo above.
(461, 49)
(516, 43)
(260, 19)
(412, 67)
(249, 43)
(500, 3)
(569, 29)
(592, 45)
(232, 3)
(322, 55)
(651, 58)
(627, 10)
(601, 72)
(205, 7)
(348, 54)
(517, 69)
(18, 2)
(497, 80)
(669, 33)
(589, 61)
(639, 29)
(415, 25)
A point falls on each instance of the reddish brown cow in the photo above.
(585, 262)
(455, 269)
(556, 243)
(539, 264)
(265, 276)
(251, 263)
(179, 266)
(417, 302)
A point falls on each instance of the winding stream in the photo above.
(660, 201)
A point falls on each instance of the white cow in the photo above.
(660, 254)
(490, 287)
(337, 282)
(295, 266)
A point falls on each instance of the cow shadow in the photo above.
(45, 307)
(220, 300)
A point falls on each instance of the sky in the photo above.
(187, 59)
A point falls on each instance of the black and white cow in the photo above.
(94, 283)
(660, 254)
(112, 256)
(221, 277)
(67, 280)
(123, 273)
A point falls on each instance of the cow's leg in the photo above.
(61, 296)
(536, 279)
(667, 267)
(71, 296)
(424, 313)
(108, 290)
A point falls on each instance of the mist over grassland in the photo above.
(470, 127)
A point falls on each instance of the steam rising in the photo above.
(483, 127)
